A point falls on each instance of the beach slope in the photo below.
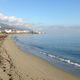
(23, 66)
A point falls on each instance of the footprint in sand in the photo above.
(10, 79)
(4, 67)
(9, 74)
(4, 70)
(27, 75)
(32, 79)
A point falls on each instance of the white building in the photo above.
(8, 30)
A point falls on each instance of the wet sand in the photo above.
(17, 65)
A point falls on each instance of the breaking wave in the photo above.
(62, 59)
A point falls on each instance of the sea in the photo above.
(60, 46)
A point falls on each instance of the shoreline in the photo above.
(30, 67)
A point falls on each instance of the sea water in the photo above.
(59, 46)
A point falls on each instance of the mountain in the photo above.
(3, 25)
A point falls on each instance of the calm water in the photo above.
(59, 46)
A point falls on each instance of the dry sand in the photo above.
(17, 65)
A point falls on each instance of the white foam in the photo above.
(44, 53)
(52, 56)
(62, 59)
(70, 62)
(40, 52)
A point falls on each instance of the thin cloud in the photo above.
(17, 22)
(12, 20)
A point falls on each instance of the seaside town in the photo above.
(17, 31)
(8, 70)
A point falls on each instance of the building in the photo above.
(8, 31)
(22, 31)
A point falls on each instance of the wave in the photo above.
(62, 59)
(70, 62)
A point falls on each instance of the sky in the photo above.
(42, 12)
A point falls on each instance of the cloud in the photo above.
(16, 22)
(12, 20)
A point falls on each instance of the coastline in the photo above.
(30, 67)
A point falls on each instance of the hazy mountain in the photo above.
(3, 25)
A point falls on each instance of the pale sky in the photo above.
(45, 12)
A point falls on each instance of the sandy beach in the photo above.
(17, 65)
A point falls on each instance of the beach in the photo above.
(17, 65)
